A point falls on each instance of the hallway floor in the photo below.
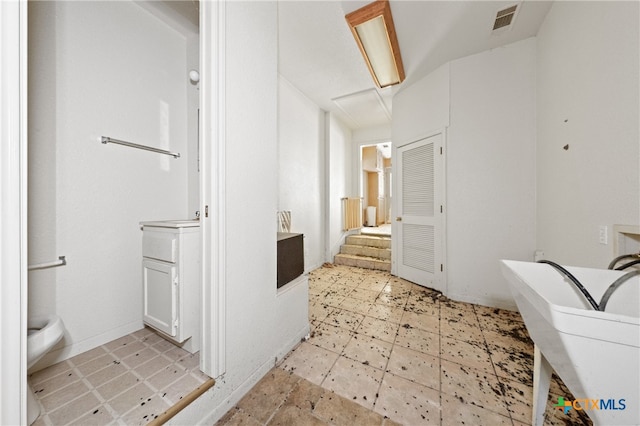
(385, 351)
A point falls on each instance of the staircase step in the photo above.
(362, 262)
(368, 251)
(368, 240)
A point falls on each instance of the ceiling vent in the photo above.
(505, 17)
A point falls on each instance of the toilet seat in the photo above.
(43, 333)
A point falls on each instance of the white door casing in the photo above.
(419, 212)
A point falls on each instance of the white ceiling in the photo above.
(318, 55)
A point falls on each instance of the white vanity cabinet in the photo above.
(171, 280)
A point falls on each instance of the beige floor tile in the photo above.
(416, 366)
(357, 306)
(305, 395)
(394, 300)
(64, 396)
(376, 284)
(140, 357)
(87, 356)
(386, 313)
(473, 386)
(516, 339)
(332, 299)
(407, 402)
(117, 385)
(131, 398)
(331, 337)
(512, 364)
(146, 411)
(163, 346)
(396, 291)
(455, 412)
(151, 366)
(118, 343)
(430, 323)
(319, 312)
(337, 410)
(96, 364)
(151, 339)
(461, 329)
(379, 329)
(290, 415)
(75, 409)
(180, 388)
(55, 383)
(165, 377)
(519, 398)
(268, 394)
(190, 361)
(419, 340)
(49, 372)
(422, 308)
(98, 417)
(106, 374)
(361, 293)
(368, 350)
(354, 381)
(344, 319)
(128, 349)
(143, 332)
(310, 362)
(471, 354)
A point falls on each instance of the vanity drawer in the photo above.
(160, 246)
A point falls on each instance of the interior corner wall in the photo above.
(490, 171)
(587, 101)
(301, 168)
(104, 83)
(341, 183)
(253, 342)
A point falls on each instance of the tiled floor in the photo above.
(386, 351)
(129, 381)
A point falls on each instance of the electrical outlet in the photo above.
(604, 237)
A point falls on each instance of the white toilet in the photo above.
(42, 334)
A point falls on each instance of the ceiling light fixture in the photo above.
(372, 27)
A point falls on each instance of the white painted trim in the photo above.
(13, 213)
(212, 186)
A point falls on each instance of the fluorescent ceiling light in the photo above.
(372, 27)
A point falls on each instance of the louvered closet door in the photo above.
(418, 213)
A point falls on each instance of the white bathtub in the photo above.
(597, 354)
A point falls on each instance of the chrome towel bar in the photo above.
(107, 139)
(60, 262)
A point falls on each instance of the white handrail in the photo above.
(106, 139)
(60, 262)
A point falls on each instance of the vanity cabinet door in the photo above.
(160, 296)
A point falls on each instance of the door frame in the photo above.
(13, 211)
(441, 179)
(212, 188)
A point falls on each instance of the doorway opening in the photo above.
(376, 188)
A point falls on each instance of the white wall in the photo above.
(490, 170)
(421, 108)
(588, 56)
(104, 76)
(340, 181)
(254, 308)
(301, 170)
(487, 103)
